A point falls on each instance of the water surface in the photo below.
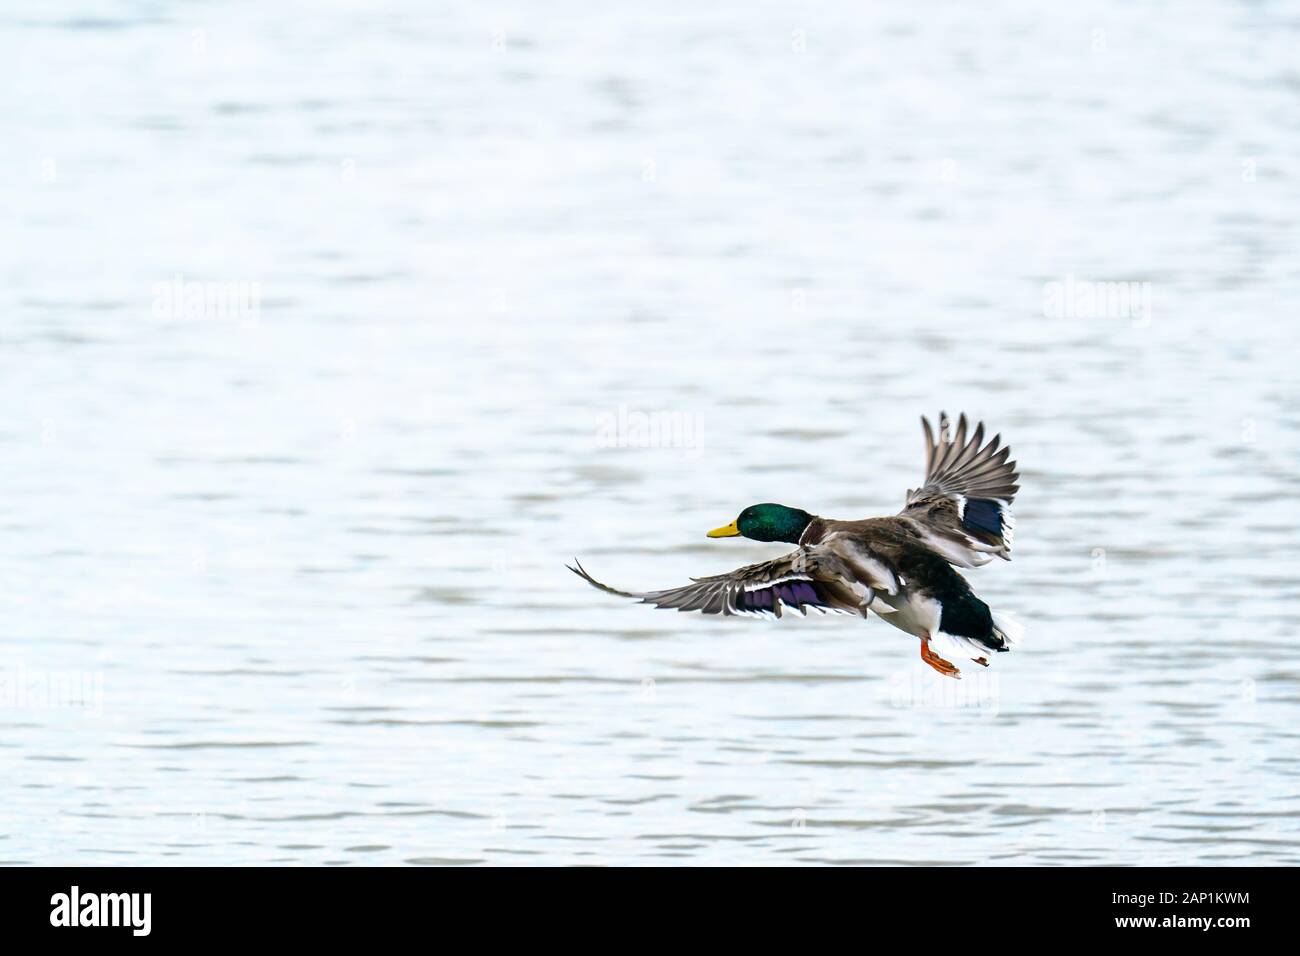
(298, 572)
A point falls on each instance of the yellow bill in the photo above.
(726, 531)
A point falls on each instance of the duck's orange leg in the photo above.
(938, 663)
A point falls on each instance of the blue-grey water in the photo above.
(330, 332)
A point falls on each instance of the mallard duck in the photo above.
(900, 567)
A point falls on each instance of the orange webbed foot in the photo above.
(938, 663)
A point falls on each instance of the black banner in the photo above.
(1145, 905)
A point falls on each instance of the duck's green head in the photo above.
(766, 522)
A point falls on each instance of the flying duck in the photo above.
(900, 567)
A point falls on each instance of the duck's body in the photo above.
(916, 589)
(900, 567)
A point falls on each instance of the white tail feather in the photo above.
(957, 647)
(1005, 626)
(1009, 626)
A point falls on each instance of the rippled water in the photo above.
(287, 585)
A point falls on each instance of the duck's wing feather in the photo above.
(963, 511)
(803, 579)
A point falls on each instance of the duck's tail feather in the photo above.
(1005, 633)
(1009, 628)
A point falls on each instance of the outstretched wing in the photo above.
(963, 511)
(800, 580)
